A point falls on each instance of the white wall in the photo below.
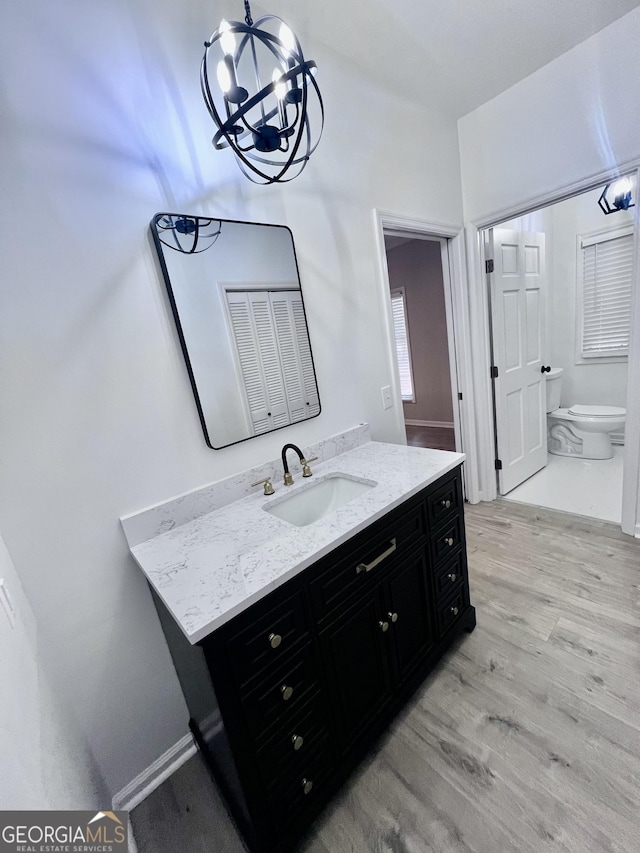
(46, 764)
(575, 117)
(102, 126)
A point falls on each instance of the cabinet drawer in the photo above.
(289, 749)
(281, 693)
(446, 541)
(451, 611)
(449, 577)
(365, 563)
(270, 640)
(303, 786)
(445, 501)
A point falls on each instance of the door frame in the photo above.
(481, 339)
(454, 270)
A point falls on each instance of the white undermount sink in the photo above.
(315, 501)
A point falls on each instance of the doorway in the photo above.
(428, 381)
(560, 292)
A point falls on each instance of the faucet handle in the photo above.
(268, 488)
(306, 471)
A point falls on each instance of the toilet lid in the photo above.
(597, 411)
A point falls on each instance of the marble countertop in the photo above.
(213, 567)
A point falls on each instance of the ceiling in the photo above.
(450, 55)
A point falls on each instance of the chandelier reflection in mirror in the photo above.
(265, 93)
(188, 234)
(617, 196)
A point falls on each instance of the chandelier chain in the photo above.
(247, 17)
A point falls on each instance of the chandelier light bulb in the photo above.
(621, 187)
(287, 38)
(224, 78)
(280, 88)
(227, 38)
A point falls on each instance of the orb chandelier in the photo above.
(187, 234)
(616, 196)
(265, 92)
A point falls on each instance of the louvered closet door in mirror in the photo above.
(258, 360)
(235, 293)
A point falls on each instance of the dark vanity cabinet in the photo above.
(288, 696)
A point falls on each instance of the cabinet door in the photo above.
(409, 612)
(355, 654)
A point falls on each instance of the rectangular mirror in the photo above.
(237, 302)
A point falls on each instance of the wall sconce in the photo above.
(263, 93)
(187, 234)
(620, 194)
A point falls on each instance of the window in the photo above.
(403, 348)
(605, 271)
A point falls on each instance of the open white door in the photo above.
(517, 317)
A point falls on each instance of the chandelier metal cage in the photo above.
(187, 234)
(265, 90)
(621, 196)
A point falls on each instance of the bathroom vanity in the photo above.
(319, 630)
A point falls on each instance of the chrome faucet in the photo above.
(306, 470)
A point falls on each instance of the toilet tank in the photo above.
(554, 387)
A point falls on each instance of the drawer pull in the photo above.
(384, 626)
(366, 567)
(454, 610)
(448, 541)
(307, 786)
(452, 577)
(287, 692)
(445, 504)
(297, 741)
(274, 640)
(393, 617)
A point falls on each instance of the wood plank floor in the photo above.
(526, 737)
(437, 438)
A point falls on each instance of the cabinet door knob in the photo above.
(307, 786)
(274, 640)
(287, 692)
(393, 617)
(446, 504)
(454, 610)
(384, 626)
(297, 741)
(452, 577)
(448, 541)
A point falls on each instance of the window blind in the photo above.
(607, 270)
(401, 334)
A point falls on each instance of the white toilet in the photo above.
(579, 430)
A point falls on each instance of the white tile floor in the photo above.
(590, 487)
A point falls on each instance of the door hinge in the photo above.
(488, 265)
(494, 371)
(460, 395)
(498, 464)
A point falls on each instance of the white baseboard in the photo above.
(637, 531)
(133, 847)
(146, 782)
(441, 424)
